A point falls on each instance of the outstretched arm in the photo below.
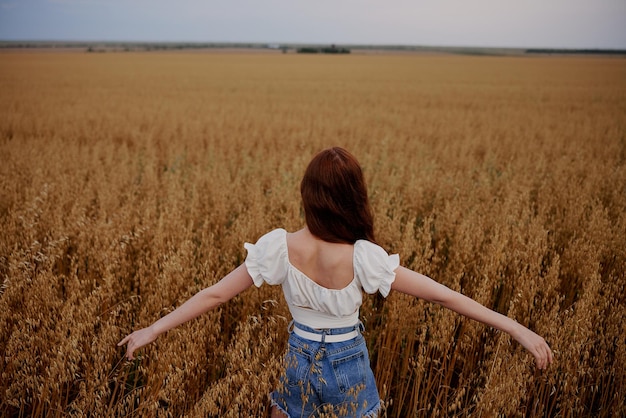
(415, 284)
(231, 285)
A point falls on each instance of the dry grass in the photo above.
(130, 181)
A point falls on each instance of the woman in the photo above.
(323, 269)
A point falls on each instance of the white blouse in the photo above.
(310, 303)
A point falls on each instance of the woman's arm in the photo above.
(418, 285)
(231, 285)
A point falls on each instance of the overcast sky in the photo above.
(491, 23)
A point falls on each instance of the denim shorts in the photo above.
(327, 378)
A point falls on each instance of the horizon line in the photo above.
(279, 45)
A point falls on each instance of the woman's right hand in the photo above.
(137, 340)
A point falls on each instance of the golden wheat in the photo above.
(130, 181)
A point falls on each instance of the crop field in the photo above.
(130, 181)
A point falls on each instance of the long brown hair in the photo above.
(334, 196)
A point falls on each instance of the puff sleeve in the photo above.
(374, 268)
(267, 260)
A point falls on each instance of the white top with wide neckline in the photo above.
(310, 303)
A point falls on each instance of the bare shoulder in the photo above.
(296, 241)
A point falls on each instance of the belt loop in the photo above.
(290, 327)
(361, 327)
(323, 336)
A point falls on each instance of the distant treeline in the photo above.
(103, 46)
(324, 50)
(165, 46)
(576, 51)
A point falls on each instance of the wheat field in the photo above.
(129, 181)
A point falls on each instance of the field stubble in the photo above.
(130, 181)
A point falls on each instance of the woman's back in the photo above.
(328, 264)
